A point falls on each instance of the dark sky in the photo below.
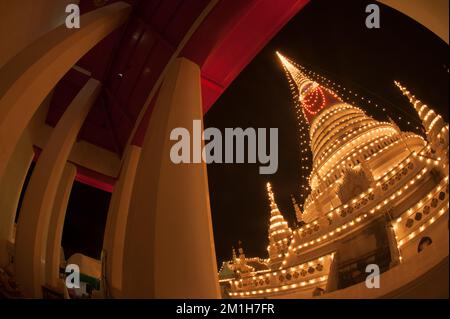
(84, 225)
(85, 221)
(328, 37)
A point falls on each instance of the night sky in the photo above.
(330, 38)
(84, 225)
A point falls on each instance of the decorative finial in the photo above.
(436, 129)
(240, 249)
(417, 104)
(426, 115)
(394, 124)
(298, 212)
(273, 205)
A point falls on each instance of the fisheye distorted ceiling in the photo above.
(130, 60)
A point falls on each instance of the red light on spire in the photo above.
(312, 97)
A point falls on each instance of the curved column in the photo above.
(33, 225)
(22, 22)
(169, 246)
(116, 223)
(10, 189)
(55, 230)
(29, 77)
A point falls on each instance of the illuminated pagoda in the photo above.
(374, 195)
(279, 233)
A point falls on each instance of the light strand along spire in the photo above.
(305, 151)
(309, 99)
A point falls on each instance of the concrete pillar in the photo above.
(333, 276)
(22, 22)
(116, 223)
(56, 225)
(10, 189)
(29, 77)
(393, 248)
(41, 191)
(169, 245)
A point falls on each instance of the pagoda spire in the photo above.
(240, 250)
(279, 231)
(273, 204)
(312, 96)
(298, 212)
(435, 127)
(426, 115)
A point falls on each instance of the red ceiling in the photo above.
(231, 36)
(130, 60)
